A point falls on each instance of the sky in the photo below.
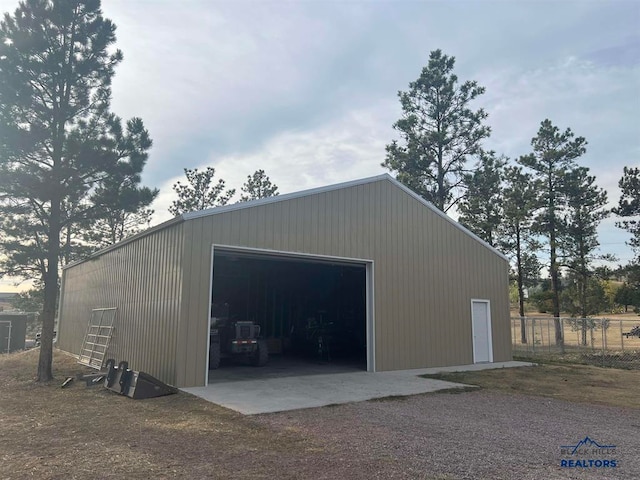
(307, 90)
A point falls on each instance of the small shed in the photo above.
(13, 331)
(389, 280)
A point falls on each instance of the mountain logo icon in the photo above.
(585, 443)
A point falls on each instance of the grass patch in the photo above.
(628, 360)
(575, 383)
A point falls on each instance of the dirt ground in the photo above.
(76, 433)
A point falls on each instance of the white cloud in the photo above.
(218, 68)
(306, 90)
(598, 103)
(350, 148)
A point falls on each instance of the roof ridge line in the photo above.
(284, 197)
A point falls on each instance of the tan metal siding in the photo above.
(143, 279)
(426, 271)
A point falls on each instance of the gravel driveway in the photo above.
(471, 435)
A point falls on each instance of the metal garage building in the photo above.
(406, 286)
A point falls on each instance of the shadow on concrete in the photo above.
(280, 366)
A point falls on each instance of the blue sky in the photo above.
(307, 90)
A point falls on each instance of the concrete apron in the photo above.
(270, 395)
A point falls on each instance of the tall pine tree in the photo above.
(579, 240)
(58, 139)
(517, 237)
(439, 133)
(553, 157)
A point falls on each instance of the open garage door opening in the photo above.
(310, 311)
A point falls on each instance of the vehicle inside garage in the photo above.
(309, 310)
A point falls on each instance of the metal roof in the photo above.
(289, 196)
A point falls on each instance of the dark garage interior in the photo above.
(308, 310)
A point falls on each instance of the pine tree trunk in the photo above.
(45, 372)
(553, 267)
(555, 287)
(582, 291)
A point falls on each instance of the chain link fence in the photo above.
(603, 342)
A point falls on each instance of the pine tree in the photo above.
(553, 157)
(200, 192)
(517, 237)
(627, 295)
(258, 186)
(439, 133)
(579, 240)
(58, 139)
(122, 209)
(481, 209)
(629, 206)
(30, 301)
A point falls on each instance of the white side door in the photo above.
(481, 330)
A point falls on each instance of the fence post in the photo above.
(621, 337)
(603, 339)
(533, 335)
